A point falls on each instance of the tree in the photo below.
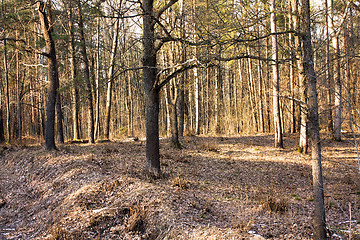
(47, 29)
(86, 71)
(276, 100)
(337, 77)
(111, 78)
(73, 75)
(151, 90)
(313, 117)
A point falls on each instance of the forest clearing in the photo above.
(213, 188)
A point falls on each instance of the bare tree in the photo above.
(46, 25)
(110, 78)
(276, 100)
(314, 133)
(86, 70)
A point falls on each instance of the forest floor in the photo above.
(214, 188)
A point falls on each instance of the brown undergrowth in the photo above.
(213, 188)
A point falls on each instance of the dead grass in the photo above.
(214, 188)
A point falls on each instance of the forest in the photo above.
(174, 119)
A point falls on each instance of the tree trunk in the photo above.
(151, 91)
(276, 102)
(46, 23)
(314, 133)
(260, 90)
(110, 79)
(292, 72)
(2, 134)
(181, 101)
(337, 80)
(328, 75)
(59, 118)
(91, 124)
(7, 92)
(174, 116)
(303, 139)
(74, 80)
(97, 80)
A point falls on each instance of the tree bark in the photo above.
(46, 25)
(89, 95)
(151, 91)
(314, 133)
(276, 101)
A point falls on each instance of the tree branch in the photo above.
(163, 9)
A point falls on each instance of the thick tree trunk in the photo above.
(45, 19)
(110, 79)
(314, 133)
(151, 91)
(276, 101)
(89, 95)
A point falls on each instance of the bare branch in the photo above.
(163, 9)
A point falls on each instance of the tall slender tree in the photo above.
(319, 224)
(86, 71)
(111, 78)
(276, 100)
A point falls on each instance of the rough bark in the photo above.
(276, 101)
(319, 225)
(151, 92)
(45, 19)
